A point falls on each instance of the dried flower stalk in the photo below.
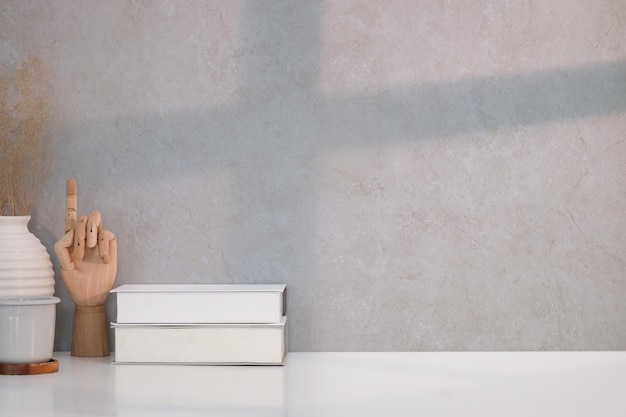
(24, 142)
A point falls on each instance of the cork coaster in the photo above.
(48, 367)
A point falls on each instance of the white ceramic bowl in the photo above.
(27, 329)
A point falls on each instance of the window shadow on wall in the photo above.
(267, 149)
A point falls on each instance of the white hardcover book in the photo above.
(254, 344)
(200, 303)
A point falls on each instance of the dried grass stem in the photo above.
(24, 143)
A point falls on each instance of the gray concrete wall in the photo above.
(428, 175)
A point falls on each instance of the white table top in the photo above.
(332, 384)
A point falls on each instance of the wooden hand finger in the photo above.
(94, 227)
(61, 248)
(107, 246)
(71, 202)
(80, 232)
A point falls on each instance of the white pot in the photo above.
(25, 267)
(27, 329)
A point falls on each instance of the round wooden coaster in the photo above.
(29, 368)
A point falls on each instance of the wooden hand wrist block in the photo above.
(89, 336)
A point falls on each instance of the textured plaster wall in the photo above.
(428, 175)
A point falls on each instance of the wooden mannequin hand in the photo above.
(88, 273)
(88, 257)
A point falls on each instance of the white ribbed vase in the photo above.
(25, 267)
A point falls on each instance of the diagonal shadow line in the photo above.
(325, 123)
(313, 123)
(321, 123)
(480, 105)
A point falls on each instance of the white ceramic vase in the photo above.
(25, 266)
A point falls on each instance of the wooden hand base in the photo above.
(89, 336)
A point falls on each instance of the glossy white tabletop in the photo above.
(332, 384)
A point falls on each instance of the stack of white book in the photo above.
(201, 324)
